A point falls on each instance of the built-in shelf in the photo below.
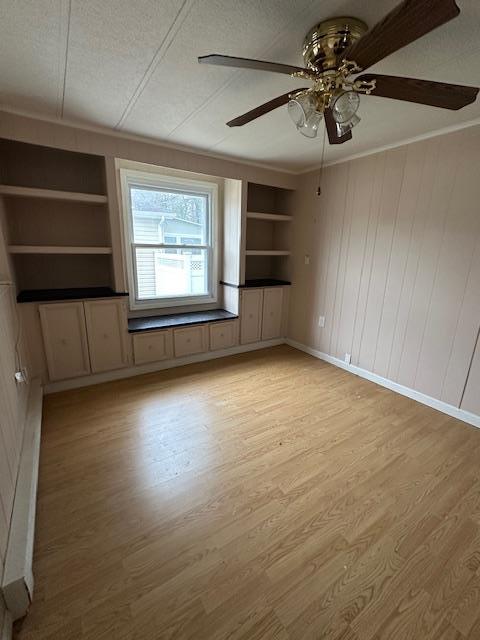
(51, 194)
(272, 217)
(256, 252)
(58, 250)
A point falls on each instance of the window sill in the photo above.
(154, 323)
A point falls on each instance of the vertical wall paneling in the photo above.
(385, 228)
(335, 203)
(371, 220)
(358, 233)
(394, 243)
(460, 359)
(12, 410)
(471, 397)
(435, 211)
(455, 254)
(405, 215)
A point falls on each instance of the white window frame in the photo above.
(130, 177)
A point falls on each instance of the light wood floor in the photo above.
(267, 495)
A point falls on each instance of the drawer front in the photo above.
(107, 334)
(223, 335)
(152, 346)
(65, 340)
(272, 313)
(190, 340)
(251, 315)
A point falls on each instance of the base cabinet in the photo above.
(190, 340)
(65, 340)
(223, 335)
(84, 337)
(272, 313)
(262, 314)
(153, 346)
(251, 315)
(107, 334)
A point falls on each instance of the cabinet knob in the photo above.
(105, 336)
(188, 340)
(251, 316)
(150, 347)
(271, 313)
(64, 342)
(221, 335)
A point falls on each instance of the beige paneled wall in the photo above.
(394, 246)
(13, 401)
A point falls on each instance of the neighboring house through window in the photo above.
(170, 235)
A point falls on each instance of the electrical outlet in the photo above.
(307, 259)
(321, 321)
(20, 377)
(348, 357)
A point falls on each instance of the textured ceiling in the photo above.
(132, 66)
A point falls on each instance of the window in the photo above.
(170, 232)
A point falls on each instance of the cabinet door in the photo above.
(152, 346)
(65, 339)
(251, 315)
(272, 313)
(107, 334)
(190, 340)
(223, 334)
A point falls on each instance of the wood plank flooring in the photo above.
(266, 495)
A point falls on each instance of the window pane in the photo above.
(171, 272)
(160, 216)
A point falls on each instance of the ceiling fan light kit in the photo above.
(335, 51)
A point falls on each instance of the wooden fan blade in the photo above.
(248, 63)
(262, 109)
(410, 20)
(330, 124)
(436, 94)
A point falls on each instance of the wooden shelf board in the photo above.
(255, 252)
(42, 249)
(52, 194)
(272, 217)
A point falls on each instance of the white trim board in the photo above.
(455, 412)
(17, 584)
(130, 372)
(399, 143)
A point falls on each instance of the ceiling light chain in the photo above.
(320, 173)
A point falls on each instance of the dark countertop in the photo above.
(50, 295)
(259, 282)
(152, 323)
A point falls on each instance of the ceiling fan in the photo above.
(335, 50)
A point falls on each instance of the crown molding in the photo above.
(394, 145)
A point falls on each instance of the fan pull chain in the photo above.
(320, 173)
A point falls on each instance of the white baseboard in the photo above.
(7, 630)
(129, 372)
(444, 407)
(17, 582)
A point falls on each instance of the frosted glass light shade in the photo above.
(345, 106)
(302, 111)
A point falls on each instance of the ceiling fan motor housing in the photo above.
(326, 42)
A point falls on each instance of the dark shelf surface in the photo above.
(50, 295)
(259, 282)
(151, 323)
